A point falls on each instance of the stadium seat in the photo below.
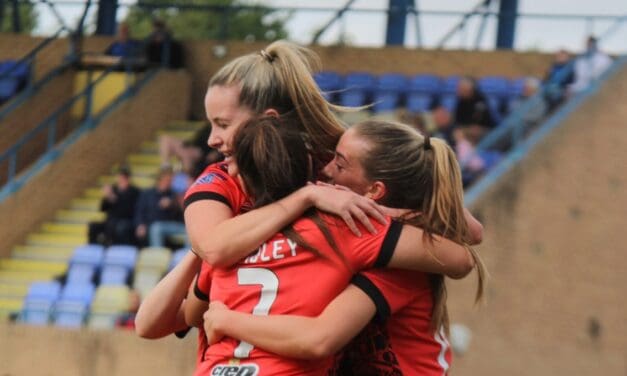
(329, 83)
(109, 303)
(358, 88)
(70, 314)
(389, 92)
(146, 280)
(122, 255)
(154, 258)
(36, 311)
(81, 273)
(89, 254)
(114, 275)
(78, 292)
(422, 91)
(48, 291)
(177, 256)
(9, 86)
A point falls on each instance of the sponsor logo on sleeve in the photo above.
(206, 179)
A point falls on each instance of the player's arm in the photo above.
(162, 311)
(295, 336)
(442, 256)
(222, 240)
(196, 305)
(475, 227)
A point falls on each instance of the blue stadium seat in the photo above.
(496, 89)
(9, 86)
(389, 92)
(423, 89)
(78, 292)
(177, 257)
(490, 158)
(329, 83)
(81, 273)
(36, 311)
(122, 255)
(358, 88)
(70, 314)
(449, 101)
(48, 291)
(449, 85)
(114, 275)
(89, 254)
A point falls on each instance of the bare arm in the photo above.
(194, 309)
(295, 336)
(222, 240)
(443, 256)
(161, 312)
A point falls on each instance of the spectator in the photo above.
(194, 155)
(127, 320)
(118, 202)
(558, 78)
(158, 214)
(124, 46)
(589, 66)
(162, 49)
(535, 111)
(472, 112)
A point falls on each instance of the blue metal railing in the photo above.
(48, 129)
(521, 145)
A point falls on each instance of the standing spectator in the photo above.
(158, 212)
(162, 49)
(589, 66)
(124, 46)
(558, 78)
(472, 112)
(118, 202)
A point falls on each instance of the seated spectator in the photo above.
(118, 202)
(558, 78)
(124, 46)
(470, 162)
(162, 49)
(472, 112)
(536, 109)
(194, 154)
(158, 213)
(127, 320)
(589, 66)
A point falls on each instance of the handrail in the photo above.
(522, 149)
(54, 151)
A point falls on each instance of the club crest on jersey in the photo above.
(209, 178)
(246, 369)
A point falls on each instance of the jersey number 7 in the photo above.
(269, 286)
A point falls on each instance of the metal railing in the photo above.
(59, 126)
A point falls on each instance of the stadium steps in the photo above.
(46, 252)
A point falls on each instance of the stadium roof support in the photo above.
(508, 10)
(107, 10)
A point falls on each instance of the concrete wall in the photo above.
(554, 228)
(79, 167)
(48, 351)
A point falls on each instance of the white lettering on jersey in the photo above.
(249, 369)
(275, 250)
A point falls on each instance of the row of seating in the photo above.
(417, 93)
(79, 301)
(14, 76)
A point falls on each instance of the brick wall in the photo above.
(554, 228)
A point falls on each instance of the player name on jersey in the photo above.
(272, 250)
(249, 369)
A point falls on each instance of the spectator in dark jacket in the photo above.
(119, 201)
(472, 112)
(158, 214)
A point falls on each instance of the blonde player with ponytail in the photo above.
(395, 165)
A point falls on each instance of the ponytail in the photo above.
(280, 77)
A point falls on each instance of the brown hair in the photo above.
(421, 174)
(280, 77)
(273, 160)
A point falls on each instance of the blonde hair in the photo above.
(280, 77)
(421, 174)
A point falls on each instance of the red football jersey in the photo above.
(202, 287)
(215, 183)
(282, 277)
(406, 341)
